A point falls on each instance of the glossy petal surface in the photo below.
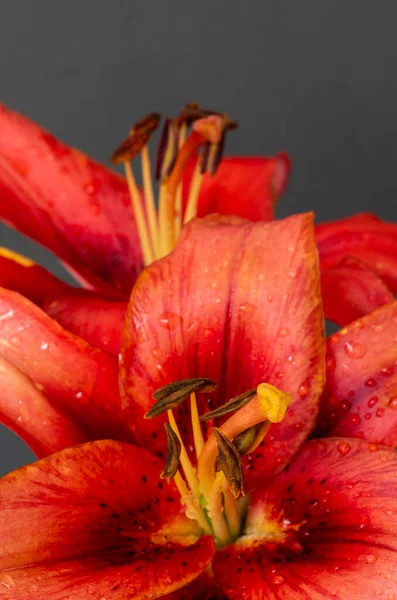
(240, 304)
(80, 380)
(97, 321)
(360, 399)
(24, 276)
(244, 186)
(83, 524)
(362, 236)
(324, 528)
(202, 588)
(27, 411)
(72, 205)
(351, 290)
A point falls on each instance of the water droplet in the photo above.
(277, 580)
(355, 350)
(371, 559)
(7, 315)
(279, 374)
(364, 522)
(44, 345)
(345, 405)
(93, 187)
(355, 419)
(371, 382)
(157, 353)
(387, 371)
(392, 403)
(372, 401)
(247, 308)
(373, 447)
(380, 412)
(169, 320)
(15, 340)
(304, 388)
(284, 331)
(344, 448)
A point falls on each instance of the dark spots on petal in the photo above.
(144, 479)
(289, 489)
(313, 502)
(184, 563)
(323, 481)
(115, 516)
(103, 505)
(303, 469)
(160, 485)
(286, 469)
(170, 499)
(310, 481)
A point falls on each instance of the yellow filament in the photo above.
(191, 207)
(190, 472)
(139, 215)
(196, 425)
(178, 197)
(165, 245)
(149, 199)
(181, 485)
(19, 258)
(216, 512)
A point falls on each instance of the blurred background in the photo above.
(316, 78)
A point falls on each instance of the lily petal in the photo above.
(24, 276)
(72, 205)
(99, 322)
(247, 187)
(81, 381)
(351, 290)
(89, 522)
(360, 399)
(26, 410)
(362, 236)
(236, 302)
(202, 588)
(326, 527)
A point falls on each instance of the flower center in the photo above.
(159, 229)
(212, 489)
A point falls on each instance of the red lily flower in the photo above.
(239, 303)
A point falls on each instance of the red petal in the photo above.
(80, 380)
(362, 236)
(328, 525)
(97, 321)
(361, 395)
(72, 205)
(25, 410)
(22, 275)
(86, 522)
(202, 588)
(351, 290)
(242, 186)
(239, 304)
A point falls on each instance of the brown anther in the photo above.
(138, 138)
(167, 150)
(234, 404)
(174, 452)
(146, 125)
(250, 439)
(210, 128)
(171, 395)
(129, 148)
(230, 463)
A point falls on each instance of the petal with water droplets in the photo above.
(72, 205)
(97, 321)
(92, 521)
(325, 527)
(360, 399)
(80, 380)
(351, 290)
(238, 303)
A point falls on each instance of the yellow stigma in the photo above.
(159, 223)
(273, 402)
(213, 489)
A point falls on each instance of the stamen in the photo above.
(230, 463)
(173, 394)
(197, 433)
(250, 439)
(178, 198)
(147, 251)
(188, 469)
(174, 450)
(234, 404)
(194, 191)
(149, 199)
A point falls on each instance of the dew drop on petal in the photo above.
(284, 331)
(392, 403)
(370, 559)
(304, 388)
(344, 448)
(372, 401)
(371, 382)
(277, 580)
(169, 320)
(355, 350)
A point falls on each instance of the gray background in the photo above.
(314, 77)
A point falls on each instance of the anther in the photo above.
(174, 452)
(234, 404)
(171, 395)
(167, 149)
(138, 138)
(230, 463)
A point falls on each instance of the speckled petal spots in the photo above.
(92, 521)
